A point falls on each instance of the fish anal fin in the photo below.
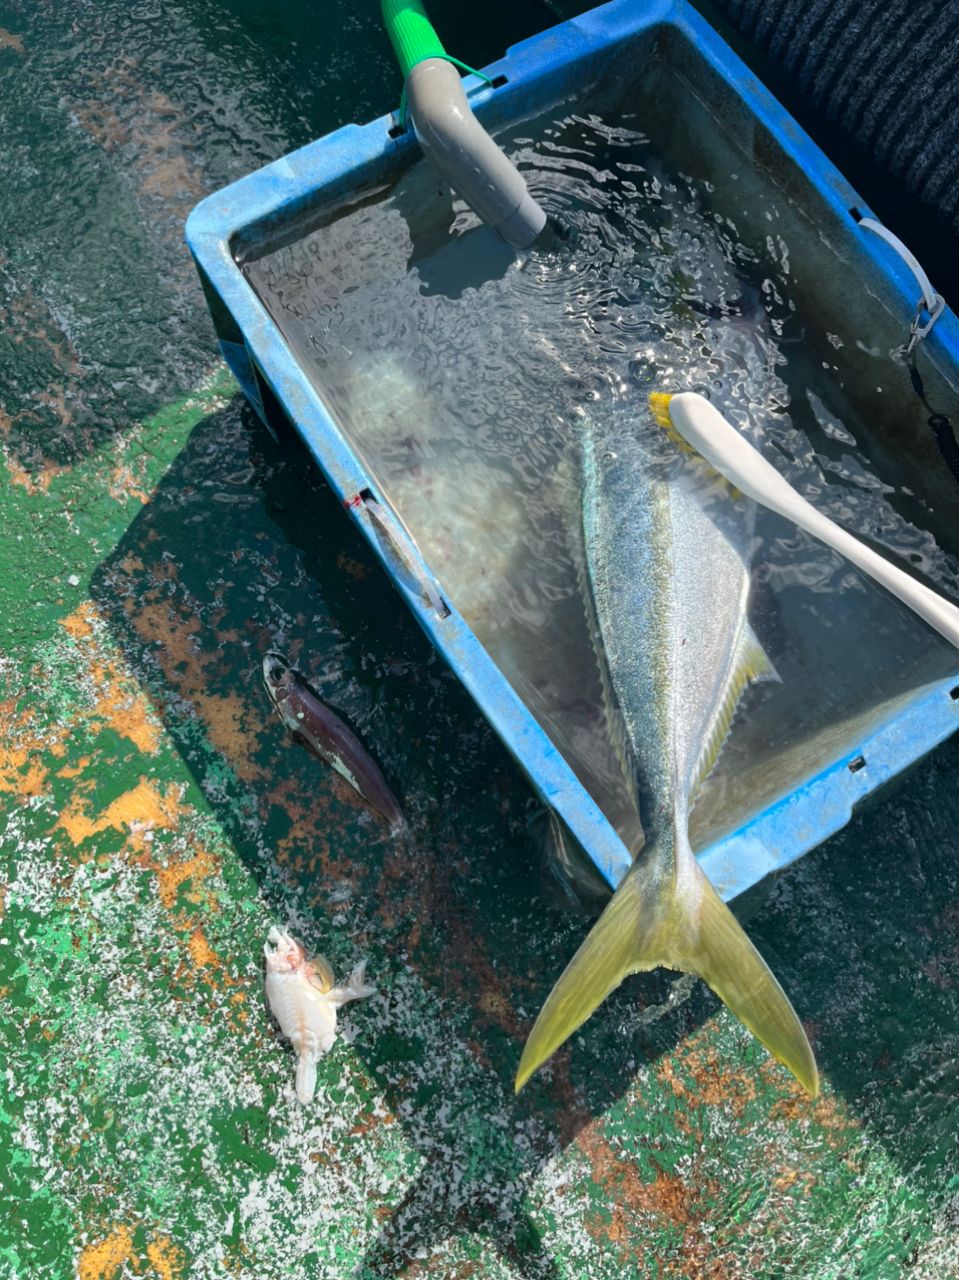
(651, 921)
(750, 665)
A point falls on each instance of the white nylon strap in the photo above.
(932, 303)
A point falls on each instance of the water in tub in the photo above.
(466, 376)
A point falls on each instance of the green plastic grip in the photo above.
(411, 33)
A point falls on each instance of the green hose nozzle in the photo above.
(448, 132)
(411, 33)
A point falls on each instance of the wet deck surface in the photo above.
(156, 819)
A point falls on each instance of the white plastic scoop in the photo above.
(704, 427)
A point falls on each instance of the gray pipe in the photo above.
(467, 157)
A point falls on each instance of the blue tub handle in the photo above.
(391, 531)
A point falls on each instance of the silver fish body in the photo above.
(668, 556)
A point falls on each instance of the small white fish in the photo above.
(303, 998)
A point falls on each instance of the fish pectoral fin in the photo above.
(319, 973)
(647, 924)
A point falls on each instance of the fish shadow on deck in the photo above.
(242, 548)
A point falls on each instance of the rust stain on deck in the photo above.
(174, 636)
(201, 953)
(195, 869)
(166, 1258)
(119, 701)
(137, 811)
(103, 1259)
(24, 746)
(117, 1255)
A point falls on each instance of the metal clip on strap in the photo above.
(930, 304)
(919, 327)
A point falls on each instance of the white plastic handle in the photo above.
(731, 454)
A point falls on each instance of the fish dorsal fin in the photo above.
(750, 663)
(613, 722)
(320, 974)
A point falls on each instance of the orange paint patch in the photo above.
(171, 177)
(127, 112)
(173, 635)
(22, 771)
(34, 482)
(495, 1005)
(170, 877)
(185, 907)
(159, 625)
(103, 1259)
(826, 1112)
(137, 811)
(55, 400)
(307, 845)
(201, 953)
(74, 770)
(79, 624)
(224, 717)
(698, 1075)
(166, 1258)
(119, 701)
(124, 484)
(22, 478)
(682, 1204)
(34, 781)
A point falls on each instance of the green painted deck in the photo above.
(156, 819)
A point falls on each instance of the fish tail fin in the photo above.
(680, 922)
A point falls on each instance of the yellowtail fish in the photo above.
(322, 732)
(668, 548)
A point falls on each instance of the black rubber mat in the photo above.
(885, 71)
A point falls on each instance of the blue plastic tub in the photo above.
(559, 64)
